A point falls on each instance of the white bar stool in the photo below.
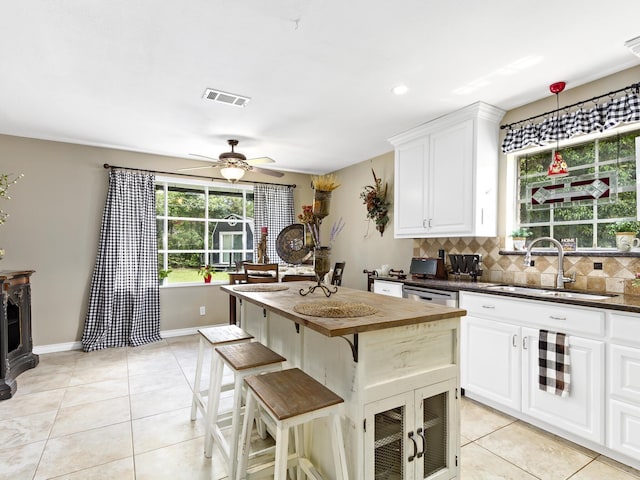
(213, 337)
(291, 398)
(244, 360)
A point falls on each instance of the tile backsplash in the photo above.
(615, 277)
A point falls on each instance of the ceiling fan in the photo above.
(233, 165)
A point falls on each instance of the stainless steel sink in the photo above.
(549, 293)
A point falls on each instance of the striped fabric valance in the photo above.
(599, 118)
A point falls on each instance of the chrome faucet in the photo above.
(561, 279)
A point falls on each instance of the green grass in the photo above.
(190, 275)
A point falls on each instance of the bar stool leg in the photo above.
(235, 426)
(197, 394)
(338, 449)
(249, 409)
(282, 452)
(215, 386)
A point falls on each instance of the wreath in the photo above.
(375, 198)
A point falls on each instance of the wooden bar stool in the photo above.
(213, 337)
(291, 398)
(244, 360)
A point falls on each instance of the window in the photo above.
(202, 223)
(608, 160)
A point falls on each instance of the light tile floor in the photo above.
(124, 414)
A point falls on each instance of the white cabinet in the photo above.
(385, 287)
(490, 360)
(446, 174)
(407, 436)
(582, 412)
(623, 404)
(500, 360)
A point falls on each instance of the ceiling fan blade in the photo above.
(204, 156)
(273, 173)
(197, 168)
(260, 160)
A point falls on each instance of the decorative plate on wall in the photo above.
(290, 244)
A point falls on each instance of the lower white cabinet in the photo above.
(499, 363)
(409, 435)
(582, 412)
(623, 409)
(491, 360)
(385, 287)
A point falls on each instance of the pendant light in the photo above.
(557, 167)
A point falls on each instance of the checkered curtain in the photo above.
(596, 119)
(124, 301)
(272, 208)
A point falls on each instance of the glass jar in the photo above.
(321, 203)
(321, 262)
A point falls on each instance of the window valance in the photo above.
(599, 118)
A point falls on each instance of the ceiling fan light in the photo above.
(233, 174)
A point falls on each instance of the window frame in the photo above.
(206, 251)
(512, 189)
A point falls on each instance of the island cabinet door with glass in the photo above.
(409, 436)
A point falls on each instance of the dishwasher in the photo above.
(430, 295)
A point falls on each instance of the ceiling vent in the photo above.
(633, 45)
(226, 97)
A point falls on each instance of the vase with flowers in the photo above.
(375, 198)
(308, 220)
(206, 272)
(323, 186)
(5, 183)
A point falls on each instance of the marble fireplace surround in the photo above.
(618, 270)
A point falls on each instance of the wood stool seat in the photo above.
(291, 393)
(292, 398)
(244, 359)
(212, 337)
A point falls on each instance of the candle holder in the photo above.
(321, 266)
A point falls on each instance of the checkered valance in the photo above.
(584, 120)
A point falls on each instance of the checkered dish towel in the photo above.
(554, 363)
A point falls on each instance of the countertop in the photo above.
(626, 303)
(392, 312)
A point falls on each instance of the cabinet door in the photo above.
(450, 186)
(410, 195)
(388, 423)
(582, 412)
(624, 432)
(491, 360)
(437, 431)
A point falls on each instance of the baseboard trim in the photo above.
(69, 346)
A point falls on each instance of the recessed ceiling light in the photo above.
(633, 45)
(400, 89)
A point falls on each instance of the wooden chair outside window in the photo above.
(261, 272)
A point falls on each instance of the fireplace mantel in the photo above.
(16, 345)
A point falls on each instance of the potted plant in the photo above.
(162, 275)
(206, 271)
(625, 232)
(519, 237)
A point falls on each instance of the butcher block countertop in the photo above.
(391, 311)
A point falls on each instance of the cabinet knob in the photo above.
(514, 341)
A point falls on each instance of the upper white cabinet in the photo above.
(446, 175)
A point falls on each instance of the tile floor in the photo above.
(124, 414)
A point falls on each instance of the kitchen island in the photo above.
(397, 370)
